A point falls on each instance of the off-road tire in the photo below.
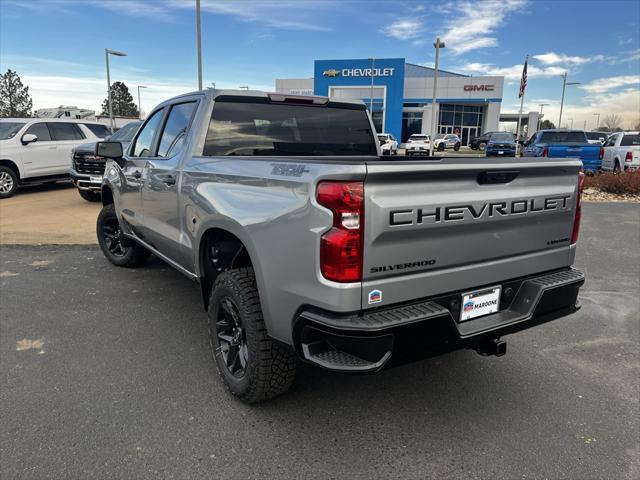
(89, 196)
(133, 255)
(8, 175)
(616, 167)
(270, 369)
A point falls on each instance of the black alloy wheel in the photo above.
(112, 236)
(232, 339)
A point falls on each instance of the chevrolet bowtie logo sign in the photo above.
(331, 73)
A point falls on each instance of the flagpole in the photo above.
(520, 114)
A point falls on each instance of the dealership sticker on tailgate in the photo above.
(479, 303)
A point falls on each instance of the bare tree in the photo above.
(612, 122)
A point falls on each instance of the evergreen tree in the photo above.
(121, 101)
(15, 101)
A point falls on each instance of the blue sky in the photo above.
(57, 46)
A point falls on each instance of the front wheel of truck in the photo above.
(253, 367)
(114, 245)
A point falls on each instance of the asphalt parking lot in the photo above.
(107, 373)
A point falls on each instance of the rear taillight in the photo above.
(341, 247)
(601, 155)
(545, 152)
(628, 157)
(576, 219)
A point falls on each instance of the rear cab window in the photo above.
(258, 127)
(563, 137)
(630, 141)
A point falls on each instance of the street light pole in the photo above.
(438, 45)
(597, 120)
(542, 105)
(108, 52)
(571, 120)
(564, 86)
(139, 105)
(199, 33)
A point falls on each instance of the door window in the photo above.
(144, 142)
(175, 129)
(65, 131)
(40, 130)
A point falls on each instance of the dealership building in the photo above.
(399, 95)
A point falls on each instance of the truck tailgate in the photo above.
(440, 226)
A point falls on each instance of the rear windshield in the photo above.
(126, 133)
(630, 141)
(9, 129)
(268, 129)
(98, 130)
(563, 137)
(596, 136)
(502, 137)
(418, 138)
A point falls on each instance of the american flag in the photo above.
(523, 80)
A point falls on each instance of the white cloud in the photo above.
(602, 85)
(471, 25)
(552, 58)
(513, 72)
(284, 14)
(403, 29)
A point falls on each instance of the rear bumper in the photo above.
(368, 342)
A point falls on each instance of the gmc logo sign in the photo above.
(479, 88)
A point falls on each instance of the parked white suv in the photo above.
(38, 150)
(418, 143)
(388, 144)
(621, 152)
(446, 140)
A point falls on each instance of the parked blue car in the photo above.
(565, 144)
(501, 144)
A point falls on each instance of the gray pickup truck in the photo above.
(309, 244)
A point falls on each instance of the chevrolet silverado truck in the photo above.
(565, 143)
(309, 244)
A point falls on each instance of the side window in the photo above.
(65, 131)
(175, 129)
(143, 143)
(611, 141)
(40, 130)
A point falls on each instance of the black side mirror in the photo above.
(112, 150)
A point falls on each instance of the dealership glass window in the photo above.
(411, 124)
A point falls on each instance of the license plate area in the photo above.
(95, 179)
(479, 303)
